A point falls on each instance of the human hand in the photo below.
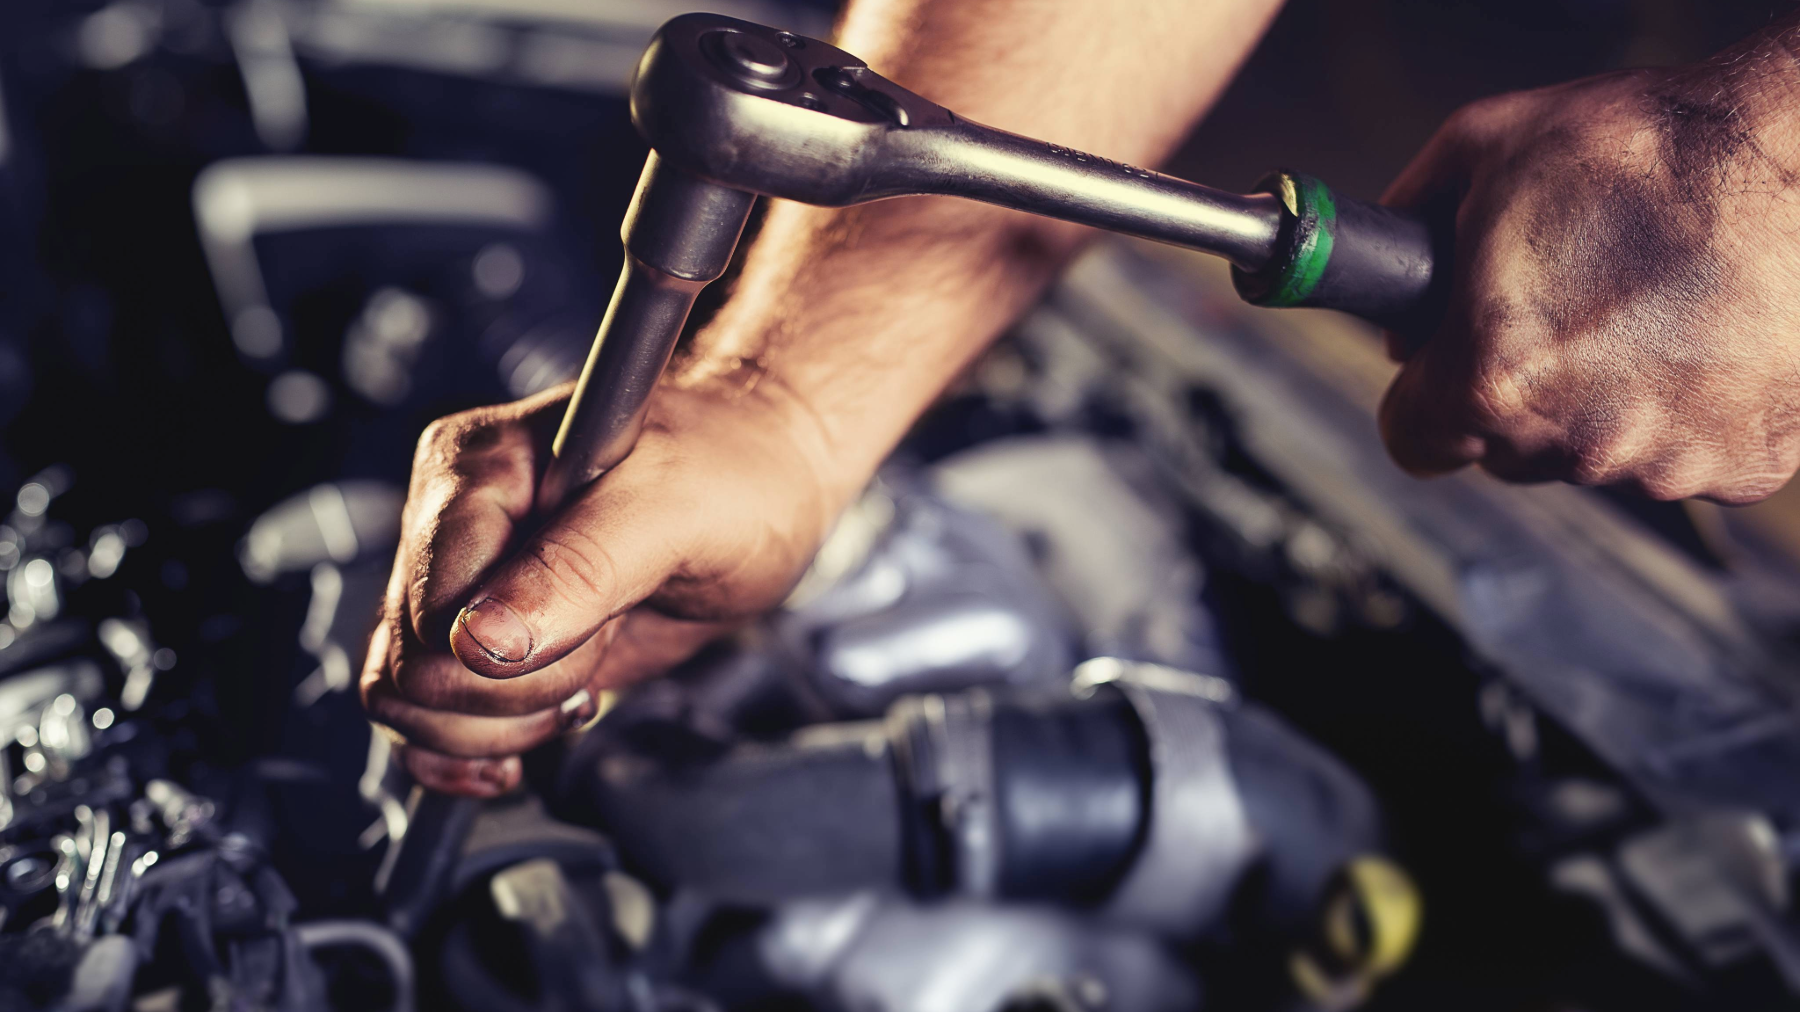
(501, 627)
(1625, 296)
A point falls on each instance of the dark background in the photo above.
(1349, 89)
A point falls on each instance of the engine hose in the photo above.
(1145, 793)
(373, 938)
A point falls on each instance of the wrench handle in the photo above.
(1335, 252)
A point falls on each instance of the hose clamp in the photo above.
(1198, 842)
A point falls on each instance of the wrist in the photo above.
(811, 465)
(1739, 109)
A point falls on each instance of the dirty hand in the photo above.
(497, 618)
(1626, 298)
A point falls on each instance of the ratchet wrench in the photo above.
(734, 110)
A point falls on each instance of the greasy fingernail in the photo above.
(577, 709)
(496, 630)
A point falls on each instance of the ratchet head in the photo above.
(773, 112)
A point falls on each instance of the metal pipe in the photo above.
(965, 159)
(679, 234)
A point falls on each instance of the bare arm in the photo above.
(926, 283)
(842, 328)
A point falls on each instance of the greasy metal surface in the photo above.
(827, 130)
(1610, 631)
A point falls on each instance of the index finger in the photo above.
(472, 487)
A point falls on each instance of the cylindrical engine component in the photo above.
(1146, 794)
(819, 814)
(1021, 796)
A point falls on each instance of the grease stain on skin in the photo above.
(1638, 236)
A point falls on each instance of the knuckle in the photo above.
(412, 683)
(382, 653)
(1484, 116)
(1469, 118)
(365, 687)
(385, 706)
(370, 681)
(577, 566)
(1495, 399)
(449, 440)
(1667, 481)
(441, 435)
(1748, 489)
(1742, 495)
(1665, 489)
(1596, 461)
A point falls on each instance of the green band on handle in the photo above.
(1311, 202)
(1336, 252)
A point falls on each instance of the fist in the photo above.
(1626, 297)
(502, 626)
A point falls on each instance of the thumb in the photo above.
(603, 553)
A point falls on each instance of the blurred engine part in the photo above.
(1624, 691)
(545, 43)
(342, 535)
(117, 883)
(910, 594)
(96, 900)
(869, 952)
(456, 261)
(48, 713)
(1110, 541)
(237, 201)
(1577, 721)
(1096, 798)
(341, 523)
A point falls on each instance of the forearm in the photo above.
(1758, 76)
(859, 317)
